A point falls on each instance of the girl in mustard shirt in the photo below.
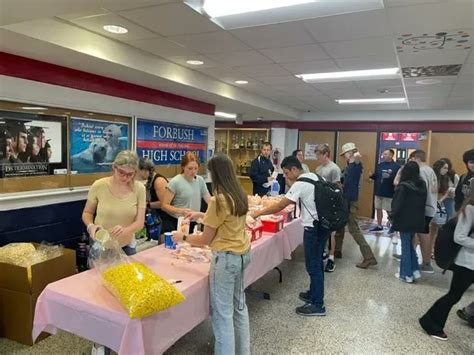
(224, 231)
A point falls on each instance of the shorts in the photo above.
(427, 224)
(383, 203)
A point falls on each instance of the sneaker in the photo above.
(397, 257)
(416, 274)
(338, 254)
(376, 229)
(462, 314)
(304, 296)
(394, 240)
(330, 266)
(440, 336)
(325, 255)
(427, 268)
(311, 310)
(407, 279)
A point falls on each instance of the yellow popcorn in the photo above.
(140, 291)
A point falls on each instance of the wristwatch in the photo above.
(185, 237)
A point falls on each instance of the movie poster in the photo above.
(95, 144)
(32, 145)
(166, 143)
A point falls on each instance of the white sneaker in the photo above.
(407, 279)
(394, 240)
(416, 274)
(98, 349)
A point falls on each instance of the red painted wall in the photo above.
(26, 68)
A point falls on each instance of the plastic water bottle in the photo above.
(275, 188)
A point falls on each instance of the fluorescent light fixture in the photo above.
(116, 29)
(225, 115)
(220, 8)
(385, 73)
(241, 82)
(34, 108)
(393, 100)
(195, 62)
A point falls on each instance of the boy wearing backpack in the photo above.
(315, 236)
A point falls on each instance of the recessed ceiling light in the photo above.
(241, 82)
(195, 62)
(428, 81)
(385, 73)
(34, 108)
(225, 114)
(393, 100)
(116, 29)
(219, 8)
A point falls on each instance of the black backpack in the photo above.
(333, 209)
(446, 249)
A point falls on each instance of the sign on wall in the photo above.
(310, 151)
(166, 143)
(32, 145)
(95, 144)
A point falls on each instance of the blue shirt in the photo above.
(383, 178)
(352, 174)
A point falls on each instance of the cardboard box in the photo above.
(18, 297)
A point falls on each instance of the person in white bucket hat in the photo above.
(351, 182)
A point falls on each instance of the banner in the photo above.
(389, 136)
(95, 144)
(32, 145)
(166, 143)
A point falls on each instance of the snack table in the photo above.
(81, 305)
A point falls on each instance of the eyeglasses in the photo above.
(124, 173)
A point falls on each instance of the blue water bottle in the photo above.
(275, 188)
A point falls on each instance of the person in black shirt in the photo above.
(463, 188)
(261, 171)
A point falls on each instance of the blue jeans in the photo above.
(449, 205)
(229, 314)
(314, 240)
(409, 259)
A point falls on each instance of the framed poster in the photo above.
(95, 144)
(32, 144)
(165, 143)
(310, 151)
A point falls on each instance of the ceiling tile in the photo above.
(463, 89)
(240, 58)
(428, 90)
(467, 68)
(377, 46)
(171, 19)
(427, 103)
(444, 80)
(96, 23)
(465, 78)
(263, 70)
(272, 36)
(214, 42)
(369, 62)
(393, 3)
(378, 83)
(432, 57)
(118, 5)
(470, 58)
(393, 91)
(427, 18)
(319, 66)
(296, 53)
(162, 47)
(208, 63)
(461, 102)
(86, 13)
(340, 90)
(349, 26)
(280, 80)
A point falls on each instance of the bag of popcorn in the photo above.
(140, 291)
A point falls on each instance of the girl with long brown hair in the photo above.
(224, 231)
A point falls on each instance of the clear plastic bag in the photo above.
(184, 251)
(140, 291)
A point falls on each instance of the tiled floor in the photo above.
(368, 312)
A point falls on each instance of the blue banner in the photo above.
(166, 143)
(94, 144)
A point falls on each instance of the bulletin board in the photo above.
(59, 174)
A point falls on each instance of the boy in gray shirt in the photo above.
(332, 173)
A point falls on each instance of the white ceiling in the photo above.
(166, 33)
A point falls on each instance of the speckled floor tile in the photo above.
(368, 312)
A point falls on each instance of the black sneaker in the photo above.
(311, 310)
(439, 336)
(304, 296)
(330, 266)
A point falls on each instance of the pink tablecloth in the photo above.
(81, 305)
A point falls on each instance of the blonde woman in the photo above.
(118, 202)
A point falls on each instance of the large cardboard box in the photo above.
(18, 297)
